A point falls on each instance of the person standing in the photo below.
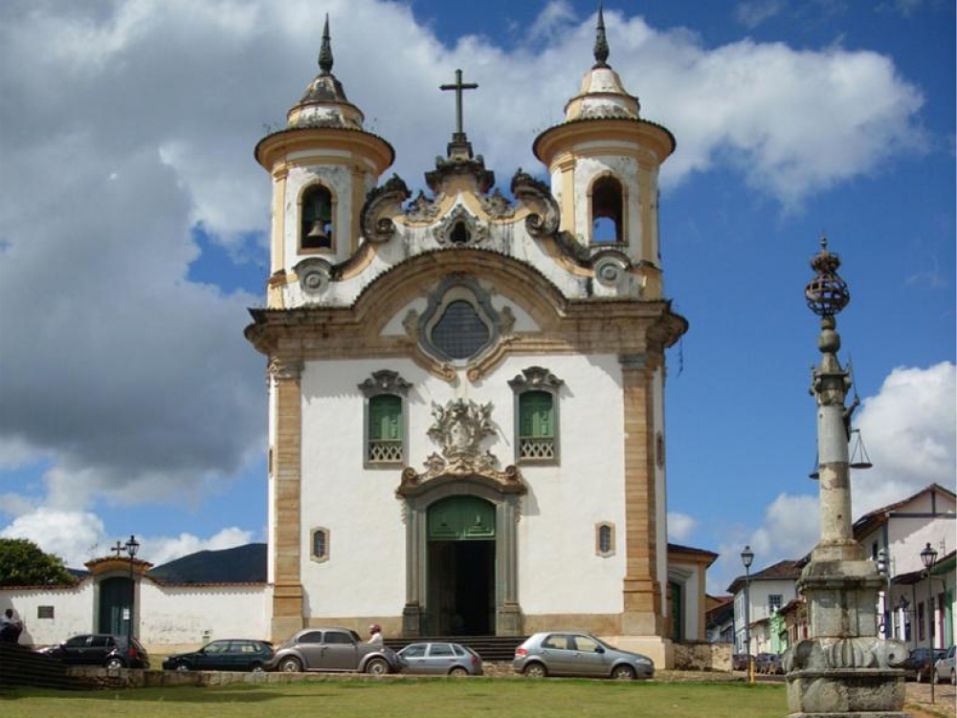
(375, 635)
(10, 627)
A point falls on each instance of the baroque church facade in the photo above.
(466, 389)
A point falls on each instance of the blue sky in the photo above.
(132, 220)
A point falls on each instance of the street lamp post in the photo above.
(747, 557)
(928, 557)
(132, 546)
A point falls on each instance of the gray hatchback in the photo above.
(563, 653)
(439, 658)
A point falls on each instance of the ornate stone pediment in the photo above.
(459, 428)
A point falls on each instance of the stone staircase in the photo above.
(490, 648)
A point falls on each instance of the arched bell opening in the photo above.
(607, 211)
(316, 226)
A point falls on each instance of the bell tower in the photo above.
(603, 161)
(323, 163)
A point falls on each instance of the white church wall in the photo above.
(187, 616)
(559, 569)
(367, 544)
(72, 612)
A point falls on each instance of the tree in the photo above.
(23, 563)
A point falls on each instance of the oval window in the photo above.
(460, 333)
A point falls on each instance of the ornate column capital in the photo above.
(281, 367)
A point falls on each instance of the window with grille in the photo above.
(320, 544)
(460, 333)
(385, 429)
(536, 422)
(605, 539)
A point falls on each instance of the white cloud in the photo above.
(78, 536)
(74, 536)
(756, 12)
(138, 120)
(909, 432)
(680, 526)
(555, 16)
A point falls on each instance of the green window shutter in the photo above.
(385, 418)
(536, 417)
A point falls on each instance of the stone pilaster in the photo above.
(642, 591)
(287, 610)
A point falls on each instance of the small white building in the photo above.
(915, 607)
(760, 599)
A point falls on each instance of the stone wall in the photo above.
(702, 656)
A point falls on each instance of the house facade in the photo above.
(916, 608)
(760, 599)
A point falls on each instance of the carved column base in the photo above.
(508, 620)
(858, 693)
(411, 620)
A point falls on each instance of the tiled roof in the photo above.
(782, 570)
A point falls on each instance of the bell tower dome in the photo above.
(323, 163)
(604, 161)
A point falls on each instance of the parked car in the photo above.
(769, 663)
(561, 653)
(438, 658)
(920, 663)
(226, 655)
(739, 662)
(944, 668)
(332, 649)
(101, 649)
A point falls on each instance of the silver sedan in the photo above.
(562, 653)
(438, 658)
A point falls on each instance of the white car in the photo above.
(944, 668)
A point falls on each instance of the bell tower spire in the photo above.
(325, 51)
(601, 42)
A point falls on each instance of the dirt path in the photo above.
(919, 705)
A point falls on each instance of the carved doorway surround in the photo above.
(506, 499)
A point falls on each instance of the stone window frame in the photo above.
(608, 526)
(312, 544)
(333, 205)
(536, 378)
(623, 229)
(45, 612)
(384, 382)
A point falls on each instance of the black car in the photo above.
(101, 649)
(920, 663)
(237, 654)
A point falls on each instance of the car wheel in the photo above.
(458, 672)
(290, 665)
(256, 668)
(535, 670)
(114, 664)
(623, 673)
(182, 667)
(377, 667)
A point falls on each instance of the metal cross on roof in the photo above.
(118, 549)
(458, 87)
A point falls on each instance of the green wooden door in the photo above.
(115, 609)
(461, 518)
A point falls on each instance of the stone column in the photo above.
(287, 610)
(642, 592)
(843, 669)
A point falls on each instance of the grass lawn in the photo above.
(414, 698)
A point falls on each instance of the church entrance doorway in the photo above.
(461, 567)
(114, 615)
